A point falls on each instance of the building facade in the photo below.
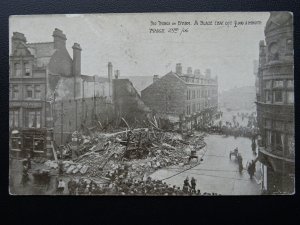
(49, 97)
(178, 97)
(275, 104)
(35, 70)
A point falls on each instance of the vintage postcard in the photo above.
(149, 104)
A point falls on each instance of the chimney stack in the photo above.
(197, 72)
(76, 59)
(16, 39)
(208, 73)
(178, 68)
(155, 78)
(110, 71)
(76, 69)
(262, 53)
(189, 70)
(110, 77)
(117, 74)
(59, 39)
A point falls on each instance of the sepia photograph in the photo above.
(152, 104)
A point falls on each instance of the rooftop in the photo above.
(277, 20)
(42, 51)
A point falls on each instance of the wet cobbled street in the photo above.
(217, 172)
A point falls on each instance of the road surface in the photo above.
(217, 173)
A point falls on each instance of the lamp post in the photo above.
(50, 131)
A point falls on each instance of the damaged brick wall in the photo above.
(166, 96)
(128, 103)
(80, 114)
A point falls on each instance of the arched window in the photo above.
(289, 45)
(27, 69)
(37, 91)
(18, 70)
(273, 51)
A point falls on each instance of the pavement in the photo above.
(217, 173)
(30, 188)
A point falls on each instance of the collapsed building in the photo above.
(50, 98)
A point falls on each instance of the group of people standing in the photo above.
(128, 187)
(187, 187)
(250, 165)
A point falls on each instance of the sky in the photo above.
(126, 41)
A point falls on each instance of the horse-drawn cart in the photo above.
(235, 153)
(238, 157)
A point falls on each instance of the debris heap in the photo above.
(128, 154)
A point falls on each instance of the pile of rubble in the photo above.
(130, 154)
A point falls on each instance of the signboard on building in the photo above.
(173, 119)
(25, 104)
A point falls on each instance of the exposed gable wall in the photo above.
(61, 63)
(128, 103)
(22, 51)
(166, 96)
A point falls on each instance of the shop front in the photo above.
(34, 141)
(27, 142)
(27, 132)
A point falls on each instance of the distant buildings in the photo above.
(190, 97)
(241, 98)
(275, 104)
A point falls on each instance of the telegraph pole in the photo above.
(61, 122)
(94, 110)
(75, 113)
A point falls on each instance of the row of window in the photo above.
(279, 125)
(196, 107)
(198, 81)
(273, 49)
(29, 142)
(279, 96)
(32, 118)
(30, 92)
(18, 69)
(193, 94)
(278, 83)
(279, 142)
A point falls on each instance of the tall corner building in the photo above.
(275, 105)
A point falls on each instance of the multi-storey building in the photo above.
(50, 99)
(35, 69)
(190, 97)
(275, 104)
(43, 77)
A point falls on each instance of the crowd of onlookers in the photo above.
(234, 128)
(231, 131)
(129, 187)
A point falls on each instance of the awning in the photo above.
(15, 132)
